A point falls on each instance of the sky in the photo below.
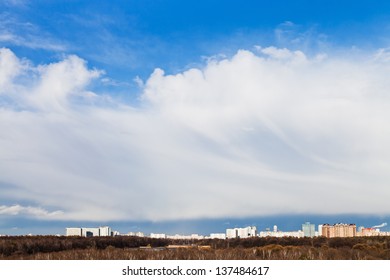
(158, 115)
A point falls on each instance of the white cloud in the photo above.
(37, 212)
(282, 54)
(277, 132)
(10, 67)
(59, 80)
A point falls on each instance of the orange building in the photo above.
(339, 230)
(369, 232)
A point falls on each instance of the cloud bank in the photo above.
(260, 133)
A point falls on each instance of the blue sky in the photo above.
(164, 111)
(131, 38)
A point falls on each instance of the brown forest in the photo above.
(137, 248)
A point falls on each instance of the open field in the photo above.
(136, 248)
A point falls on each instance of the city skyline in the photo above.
(200, 226)
(307, 230)
(195, 114)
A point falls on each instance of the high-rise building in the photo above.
(320, 230)
(339, 230)
(308, 229)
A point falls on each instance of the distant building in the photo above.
(368, 232)
(105, 231)
(308, 229)
(188, 237)
(338, 230)
(231, 233)
(158, 235)
(217, 236)
(241, 232)
(138, 234)
(269, 233)
(89, 232)
(73, 232)
(319, 233)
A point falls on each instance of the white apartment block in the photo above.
(105, 231)
(217, 236)
(138, 234)
(73, 232)
(89, 232)
(298, 234)
(319, 230)
(231, 233)
(241, 232)
(158, 235)
(192, 236)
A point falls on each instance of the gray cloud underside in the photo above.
(261, 133)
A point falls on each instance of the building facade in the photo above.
(319, 230)
(369, 232)
(138, 234)
(73, 232)
(187, 237)
(339, 230)
(241, 232)
(158, 235)
(217, 236)
(89, 232)
(308, 229)
(268, 233)
(231, 233)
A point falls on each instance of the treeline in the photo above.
(126, 247)
(269, 252)
(316, 242)
(27, 245)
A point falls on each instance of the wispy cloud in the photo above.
(15, 3)
(254, 134)
(37, 212)
(16, 32)
(297, 36)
